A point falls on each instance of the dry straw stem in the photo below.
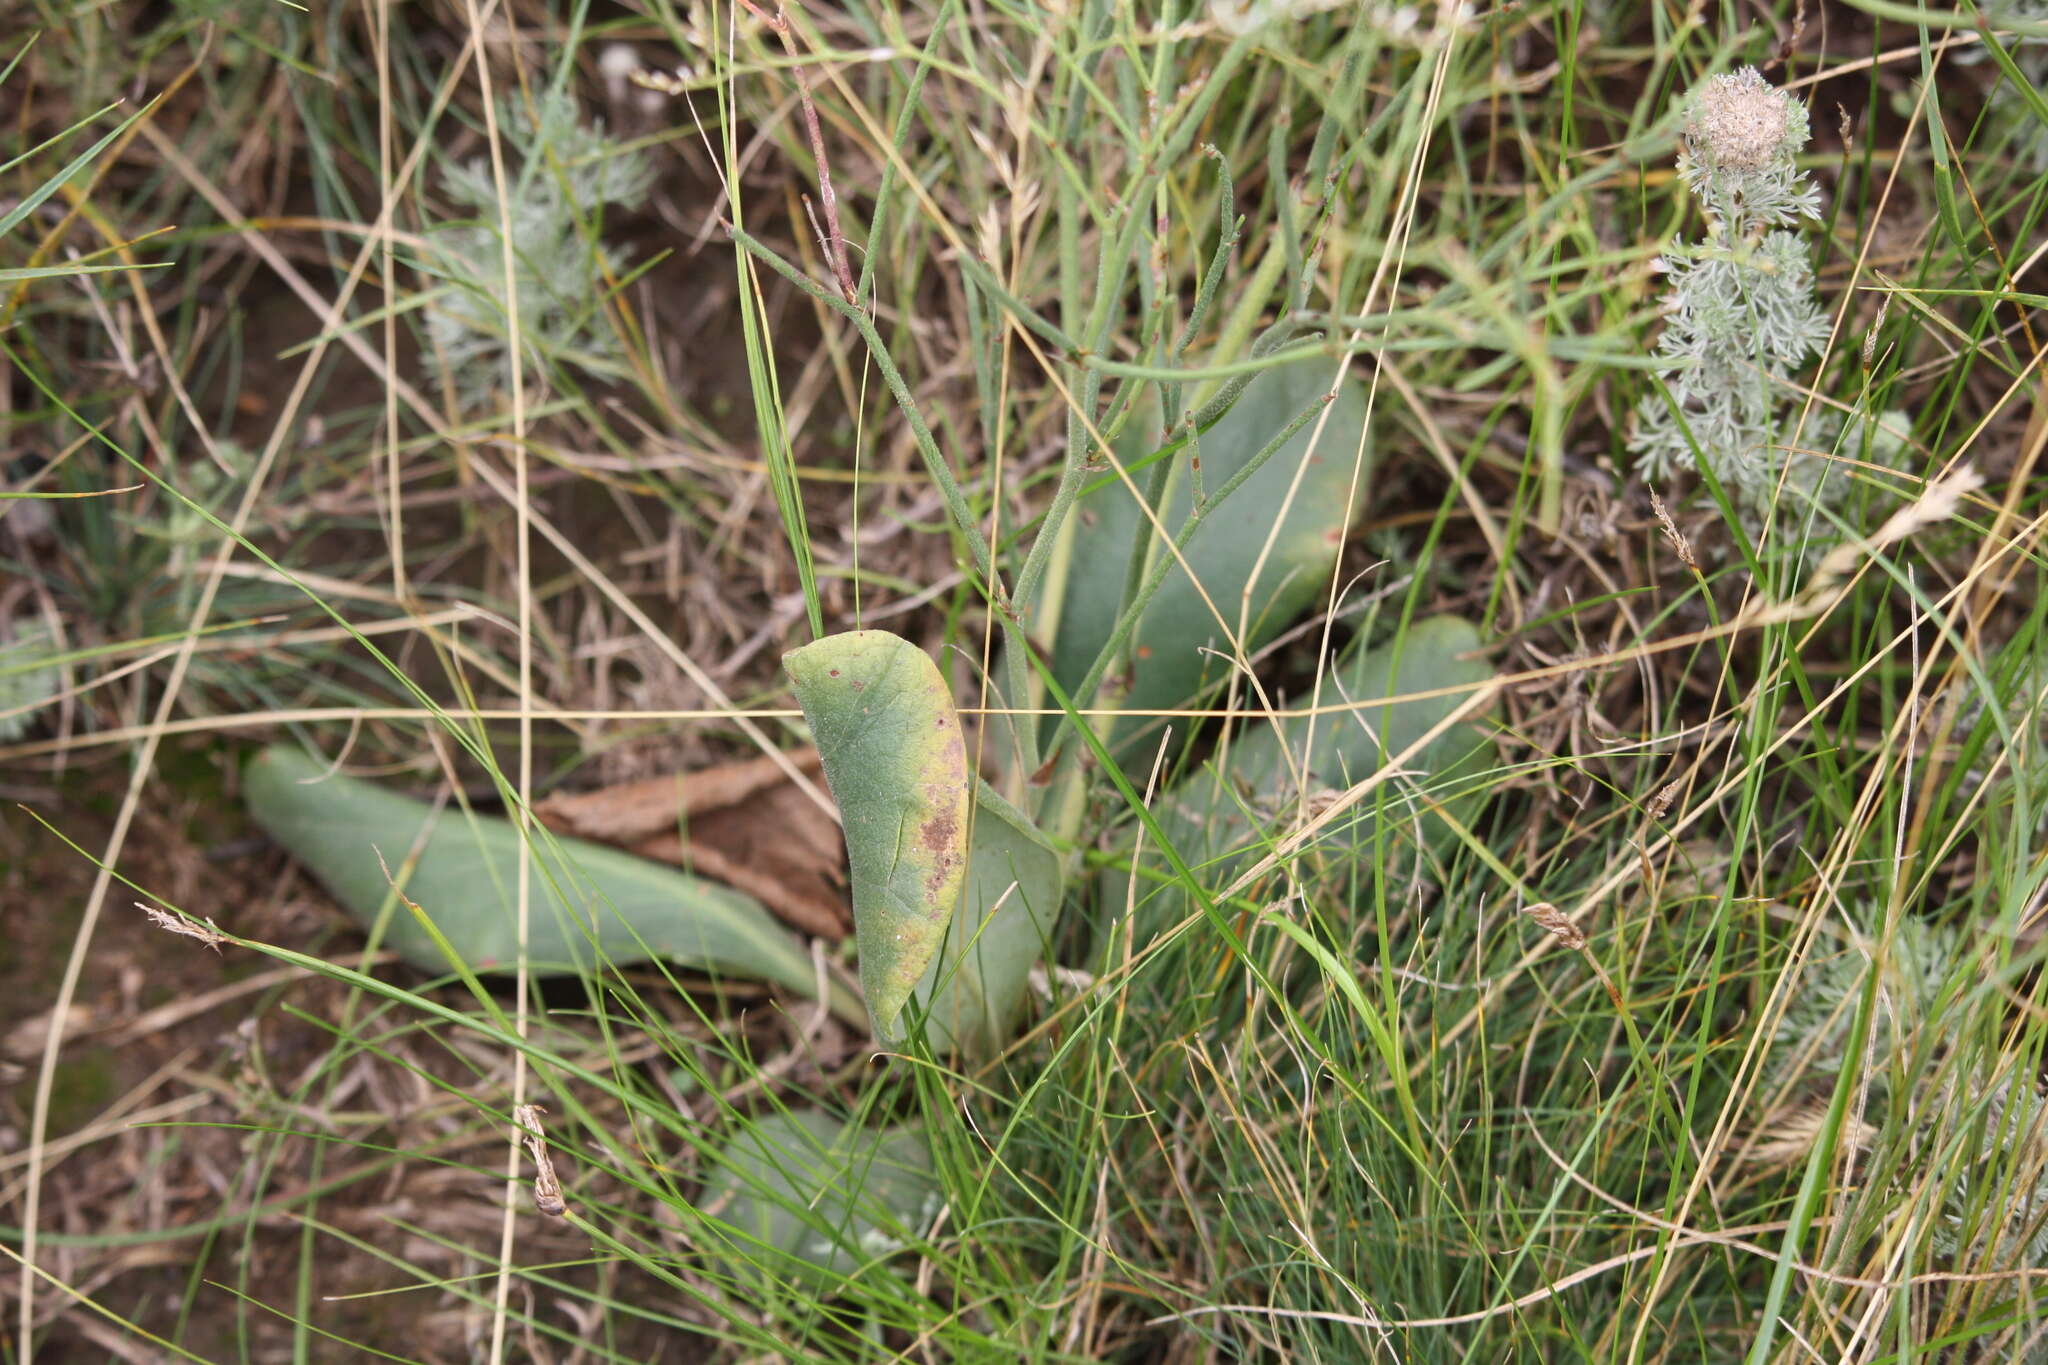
(1937, 502)
(1945, 608)
(522, 505)
(832, 240)
(745, 717)
(173, 688)
(1735, 1239)
(336, 330)
(1678, 1237)
(1625, 865)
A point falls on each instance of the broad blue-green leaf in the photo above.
(890, 742)
(975, 987)
(1215, 817)
(1172, 659)
(824, 1199)
(592, 904)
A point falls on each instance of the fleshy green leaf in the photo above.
(589, 905)
(827, 1198)
(976, 986)
(1171, 661)
(1215, 817)
(890, 742)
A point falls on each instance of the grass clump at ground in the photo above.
(485, 400)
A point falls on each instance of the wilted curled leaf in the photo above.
(885, 726)
(547, 1186)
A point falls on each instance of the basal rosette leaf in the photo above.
(590, 905)
(1304, 494)
(974, 989)
(890, 743)
(808, 1196)
(1218, 818)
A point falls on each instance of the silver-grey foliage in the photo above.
(1994, 1211)
(28, 680)
(1741, 316)
(561, 178)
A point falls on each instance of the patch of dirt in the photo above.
(202, 1115)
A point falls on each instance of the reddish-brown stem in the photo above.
(832, 238)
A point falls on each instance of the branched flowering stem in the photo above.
(1741, 315)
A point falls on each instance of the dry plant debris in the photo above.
(744, 824)
(206, 933)
(547, 1187)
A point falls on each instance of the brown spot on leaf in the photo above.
(937, 835)
(938, 832)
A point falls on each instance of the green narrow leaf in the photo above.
(828, 1198)
(890, 742)
(974, 989)
(593, 903)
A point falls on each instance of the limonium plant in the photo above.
(1741, 316)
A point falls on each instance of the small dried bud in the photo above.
(547, 1188)
(1738, 122)
(1679, 544)
(1556, 923)
(1661, 802)
(170, 923)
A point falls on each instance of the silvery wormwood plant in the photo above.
(28, 680)
(2030, 55)
(1740, 316)
(565, 175)
(1994, 1212)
